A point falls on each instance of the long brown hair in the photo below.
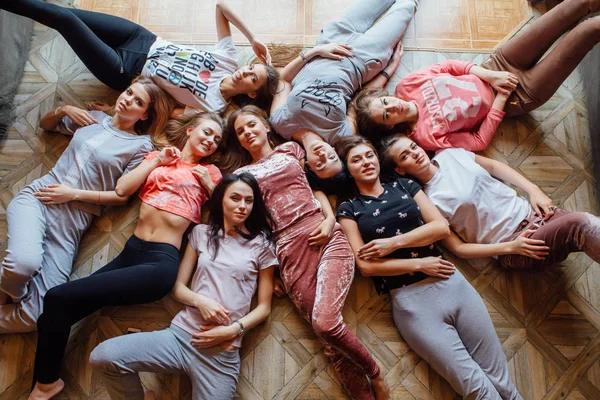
(159, 111)
(234, 155)
(176, 130)
(367, 127)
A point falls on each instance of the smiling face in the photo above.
(363, 164)
(251, 132)
(133, 103)
(250, 78)
(389, 110)
(409, 157)
(237, 203)
(322, 159)
(204, 138)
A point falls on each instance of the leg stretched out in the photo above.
(95, 37)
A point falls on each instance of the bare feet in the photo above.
(4, 298)
(43, 391)
(381, 388)
(149, 395)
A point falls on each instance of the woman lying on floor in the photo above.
(226, 260)
(117, 50)
(48, 217)
(487, 217)
(393, 229)
(174, 186)
(459, 104)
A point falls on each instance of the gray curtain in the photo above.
(15, 35)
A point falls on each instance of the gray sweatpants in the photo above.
(42, 245)
(446, 323)
(214, 372)
(372, 43)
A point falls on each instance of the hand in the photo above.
(177, 111)
(278, 287)
(504, 82)
(323, 232)
(541, 204)
(335, 51)
(203, 176)
(79, 116)
(395, 58)
(532, 248)
(98, 106)
(210, 336)
(377, 248)
(261, 51)
(55, 194)
(168, 155)
(211, 311)
(436, 266)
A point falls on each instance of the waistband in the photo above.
(144, 245)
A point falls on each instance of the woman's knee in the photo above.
(329, 330)
(103, 358)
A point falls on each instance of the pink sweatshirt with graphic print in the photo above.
(455, 108)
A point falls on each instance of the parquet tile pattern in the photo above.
(547, 321)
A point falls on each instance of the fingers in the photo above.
(318, 240)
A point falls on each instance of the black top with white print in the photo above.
(393, 213)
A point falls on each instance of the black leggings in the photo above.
(144, 272)
(112, 48)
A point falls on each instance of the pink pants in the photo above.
(318, 279)
(564, 232)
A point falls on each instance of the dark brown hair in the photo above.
(264, 94)
(343, 145)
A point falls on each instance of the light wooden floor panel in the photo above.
(547, 321)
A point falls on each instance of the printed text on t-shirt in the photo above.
(188, 69)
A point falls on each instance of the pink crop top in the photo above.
(175, 189)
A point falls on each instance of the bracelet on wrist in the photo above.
(56, 110)
(382, 72)
(302, 55)
(242, 329)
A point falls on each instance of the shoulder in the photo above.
(293, 149)
(347, 208)
(198, 235)
(226, 47)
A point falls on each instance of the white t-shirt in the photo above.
(479, 208)
(192, 76)
(230, 279)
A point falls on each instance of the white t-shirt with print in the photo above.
(479, 208)
(191, 76)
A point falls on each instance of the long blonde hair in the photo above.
(176, 130)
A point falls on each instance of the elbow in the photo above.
(443, 229)
(122, 191)
(121, 200)
(364, 268)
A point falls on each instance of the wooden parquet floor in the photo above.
(547, 321)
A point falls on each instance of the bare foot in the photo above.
(381, 388)
(43, 391)
(149, 395)
(4, 298)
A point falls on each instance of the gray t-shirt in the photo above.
(318, 100)
(230, 279)
(98, 154)
(479, 208)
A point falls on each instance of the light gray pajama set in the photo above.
(43, 239)
(323, 87)
(230, 279)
